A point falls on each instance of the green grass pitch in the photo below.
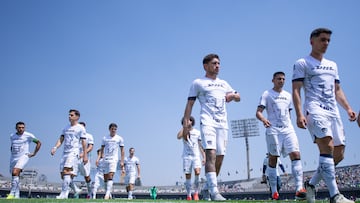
(139, 200)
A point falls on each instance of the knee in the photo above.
(338, 158)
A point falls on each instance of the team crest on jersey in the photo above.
(324, 130)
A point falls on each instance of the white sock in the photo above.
(88, 185)
(73, 186)
(109, 187)
(272, 179)
(212, 182)
(297, 172)
(65, 186)
(188, 187)
(327, 168)
(14, 184)
(316, 177)
(196, 184)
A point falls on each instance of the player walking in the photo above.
(111, 146)
(280, 134)
(191, 158)
(320, 79)
(20, 156)
(132, 169)
(72, 135)
(213, 93)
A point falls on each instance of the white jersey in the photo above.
(112, 147)
(277, 106)
(89, 140)
(131, 164)
(72, 136)
(191, 146)
(319, 79)
(20, 144)
(211, 95)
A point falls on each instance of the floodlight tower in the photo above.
(245, 128)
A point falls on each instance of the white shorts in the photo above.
(321, 126)
(282, 143)
(110, 166)
(130, 178)
(214, 138)
(70, 160)
(190, 163)
(19, 162)
(84, 170)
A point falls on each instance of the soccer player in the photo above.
(72, 135)
(191, 158)
(213, 93)
(20, 155)
(320, 79)
(265, 173)
(111, 146)
(84, 169)
(132, 171)
(280, 135)
(99, 176)
(153, 193)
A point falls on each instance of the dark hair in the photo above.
(278, 73)
(82, 123)
(318, 31)
(112, 125)
(20, 123)
(210, 57)
(192, 119)
(75, 111)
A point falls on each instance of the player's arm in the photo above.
(341, 99)
(138, 169)
(180, 134)
(187, 114)
(203, 154)
(261, 117)
(37, 147)
(89, 148)
(122, 157)
(85, 157)
(57, 144)
(296, 95)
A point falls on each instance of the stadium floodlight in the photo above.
(245, 128)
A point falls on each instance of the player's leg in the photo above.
(197, 181)
(273, 147)
(87, 178)
(187, 167)
(291, 147)
(131, 185)
(109, 184)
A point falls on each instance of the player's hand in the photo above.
(229, 97)
(31, 155)
(85, 160)
(266, 123)
(97, 162)
(352, 115)
(301, 122)
(53, 150)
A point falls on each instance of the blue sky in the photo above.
(132, 63)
